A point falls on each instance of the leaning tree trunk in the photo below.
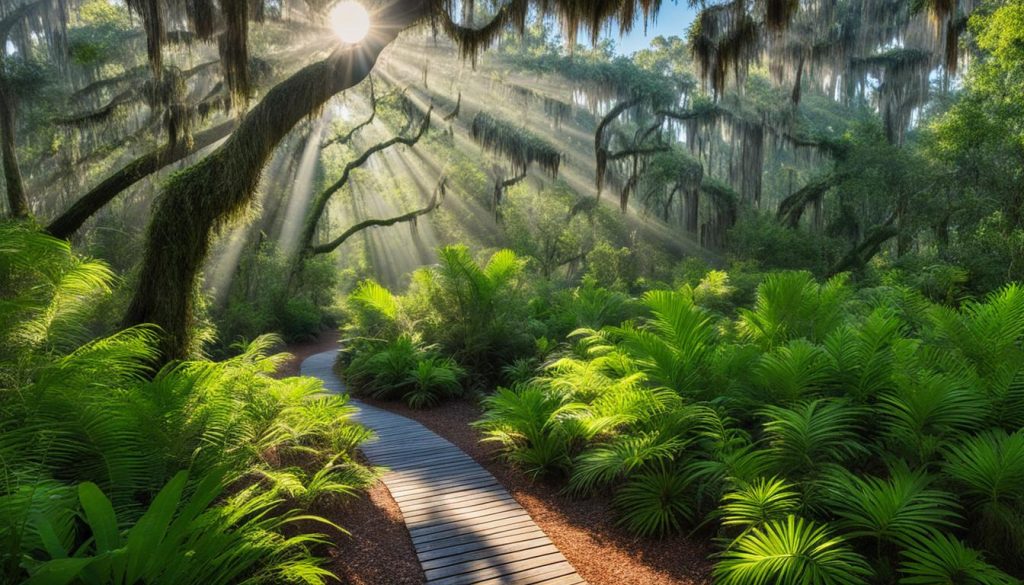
(16, 200)
(67, 223)
(204, 198)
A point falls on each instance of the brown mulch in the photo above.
(378, 550)
(583, 529)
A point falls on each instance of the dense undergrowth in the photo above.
(819, 432)
(111, 472)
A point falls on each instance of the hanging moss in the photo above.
(557, 110)
(574, 16)
(517, 145)
(725, 205)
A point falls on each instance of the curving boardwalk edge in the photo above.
(466, 528)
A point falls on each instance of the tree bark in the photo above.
(206, 197)
(16, 200)
(67, 223)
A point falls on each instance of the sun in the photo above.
(350, 21)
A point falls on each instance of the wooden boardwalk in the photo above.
(465, 527)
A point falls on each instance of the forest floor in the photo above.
(381, 553)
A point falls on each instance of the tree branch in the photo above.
(14, 16)
(67, 223)
(866, 250)
(320, 203)
(347, 137)
(601, 144)
(435, 202)
(791, 208)
(455, 112)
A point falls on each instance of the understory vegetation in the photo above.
(821, 432)
(114, 472)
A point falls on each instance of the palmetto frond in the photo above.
(655, 501)
(372, 295)
(926, 409)
(988, 333)
(791, 305)
(673, 346)
(790, 551)
(758, 502)
(790, 372)
(531, 426)
(988, 471)
(600, 465)
(898, 510)
(942, 559)
(860, 357)
(804, 439)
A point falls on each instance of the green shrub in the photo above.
(404, 369)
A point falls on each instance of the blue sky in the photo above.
(673, 19)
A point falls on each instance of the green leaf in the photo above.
(149, 531)
(99, 513)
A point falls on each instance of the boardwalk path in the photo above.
(465, 527)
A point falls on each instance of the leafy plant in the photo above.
(805, 440)
(655, 501)
(899, 510)
(433, 380)
(759, 502)
(940, 558)
(181, 542)
(792, 550)
(531, 427)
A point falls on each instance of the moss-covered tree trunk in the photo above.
(16, 201)
(198, 201)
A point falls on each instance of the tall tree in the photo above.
(199, 201)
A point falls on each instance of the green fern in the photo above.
(898, 510)
(533, 428)
(805, 439)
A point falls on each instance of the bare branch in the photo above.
(347, 137)
(320, 203)
(435, 202)
(455, 112)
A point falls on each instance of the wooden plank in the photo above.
(414, 532)
(460, 510)
(508, 527)
(422, 522)
(477, 564)
(443, 556)
(426, 500)
(407, 483)
(533, 576)
(500, 573)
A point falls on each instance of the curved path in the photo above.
(465, 527)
